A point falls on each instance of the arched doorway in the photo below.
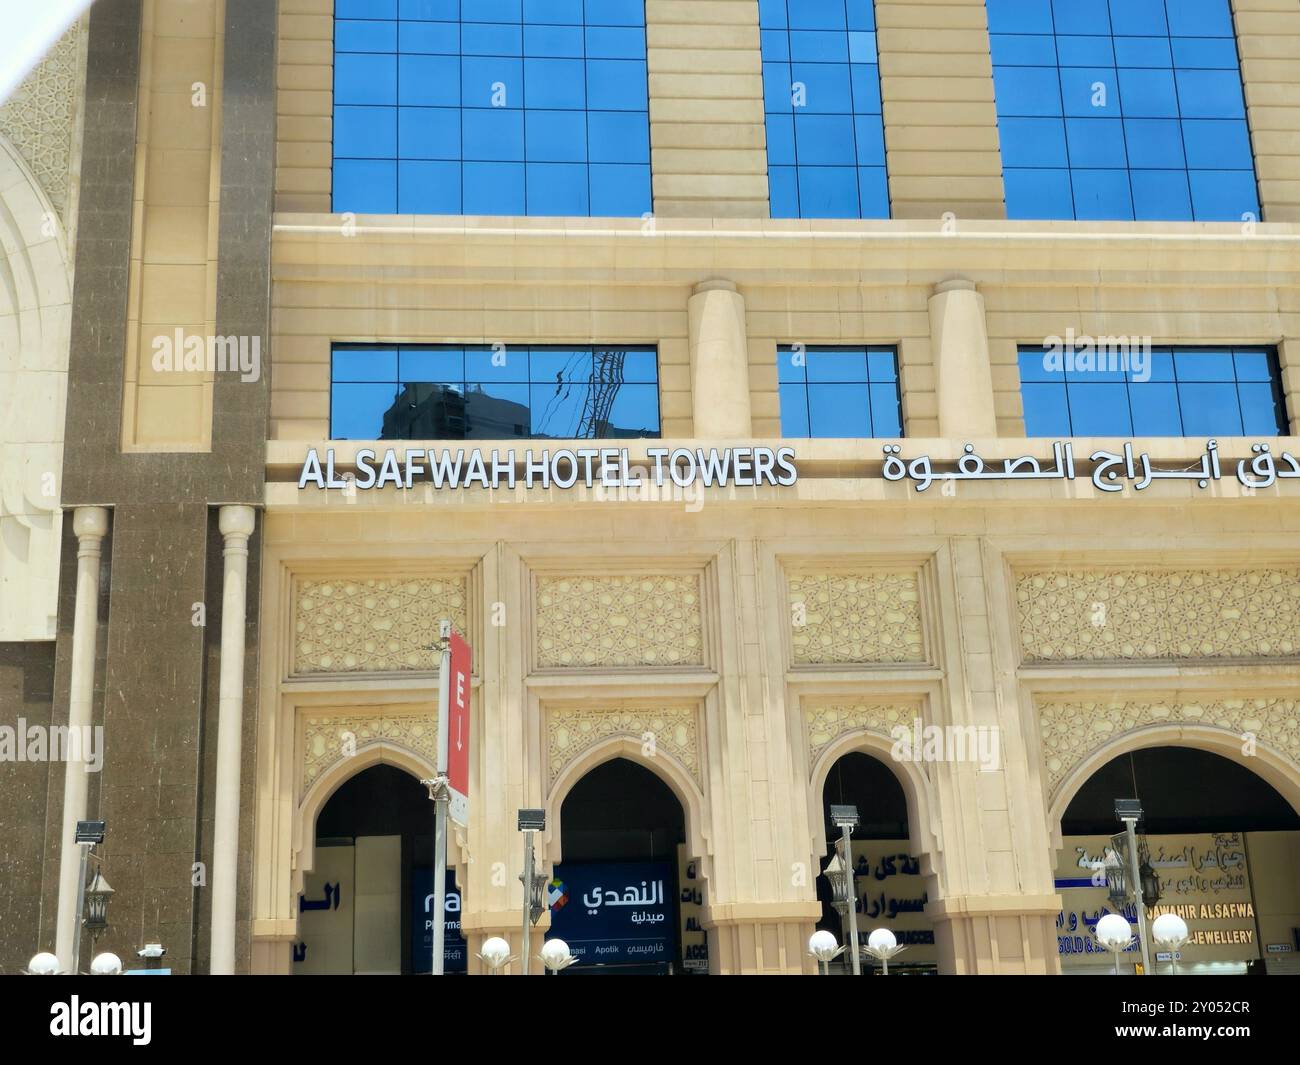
(366, 903)
(626, 896)
(889, 888)
(1223, 843)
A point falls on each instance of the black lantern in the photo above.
(98, 896)
(1150, 882)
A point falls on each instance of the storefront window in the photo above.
(839, 392)
(1127, 110)
(440, 392)
(821, 89)
(496, 107)
(1152, 392)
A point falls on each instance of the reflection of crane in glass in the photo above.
(606, 380)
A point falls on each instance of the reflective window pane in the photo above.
(820, 69)
(1165, 392)
(1167, 76)
(500, 107)
(834, 392)
(446, 392)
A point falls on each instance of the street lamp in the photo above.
(555, 956)
(1114, 934)
(530, 821)
(842, 882)
(882, 945)
(1129, 812)
(43, 964)
(89, 834)
(106, 964)
(1170, 932)
(495, 953)
(823, 946)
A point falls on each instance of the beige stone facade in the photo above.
(760, 634)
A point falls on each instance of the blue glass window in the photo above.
(476, 392)
(821, 90)
(501, 107)
(1121, 109)
(1133, 391)
(839, 392)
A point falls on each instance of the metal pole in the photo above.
(1131, 827)
(528, 898)
(81, 906)
(850, 880)
(440, 804)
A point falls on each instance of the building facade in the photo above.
(879, 390)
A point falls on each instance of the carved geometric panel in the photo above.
(573, 730)
(619, 621)
(1072, 731)
(373, 625)
(826, 723)
(870, 616)
(1125, 615)
(40, 117)
(330, 739)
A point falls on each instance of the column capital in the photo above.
(236, 520)
(955, 284)
(717, 284)
(90, 522)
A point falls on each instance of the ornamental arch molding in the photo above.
(1267, 762)
(35, 322)
(322, 789)
(665, 767)
(922, 826)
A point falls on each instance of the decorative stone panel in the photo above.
(373, 625)
(619, 621)
(40, 117)
(1072, 731)
(571, 731)
(826, 723)
(330, 739)
(851, 618)
(1143, 614)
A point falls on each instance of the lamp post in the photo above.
(882, 945)
(1129, 812)
(840, 874)
(823, 946)
(531, 821)
(1114, 934)
(1170, 932)
(88, 835)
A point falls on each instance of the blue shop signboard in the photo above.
(454, 953)
(614, 914)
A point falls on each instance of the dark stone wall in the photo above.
(26, 695)
(156, 680)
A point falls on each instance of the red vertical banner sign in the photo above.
(458, 731)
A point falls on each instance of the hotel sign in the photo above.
(603, 467)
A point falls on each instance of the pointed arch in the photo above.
(664, 766)
(1266, 763)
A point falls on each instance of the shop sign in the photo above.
(614, 914)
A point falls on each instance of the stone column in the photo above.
(236, 524)
(90, 524)
(719, 362)
(963, 378)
